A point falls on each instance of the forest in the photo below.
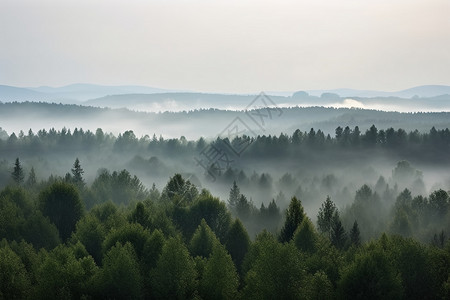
(300, 216)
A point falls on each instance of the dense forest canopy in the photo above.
(300, 215)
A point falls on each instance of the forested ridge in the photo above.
(117, 236)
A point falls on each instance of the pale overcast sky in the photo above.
(226, 46)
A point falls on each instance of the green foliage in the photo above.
(141, 216)
(134, 234)
(120, 277)
(206, 207)
(203, 241)
(220, 279)
(175, 274)
(62, 275)
(338, 234)
(91, 232)
(118, 187)
(61, 203)
(237, 243)
(17, 173)
(38, 230)
(14, 280)
(305, 237)
(179, 191)
(325, 216)
(152, 249)
(319, 287)
(355, 239)
(234, 196)
(294, 217)
(370, 276)
(77, 174)
(275, 270)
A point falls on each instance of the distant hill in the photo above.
(83, 92)
(141, 98)
(423, 91)
(70, 94)
(11, 93)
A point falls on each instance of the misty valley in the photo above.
(322, 203)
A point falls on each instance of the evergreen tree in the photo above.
(174, 276)
(17, 174)
(31, 181)
(238, 243)
(61, 203)
(77, 173)
(338, 234)
(325, 216)
(233, 199)
(355, 239)
(220, 279)
(294, 217)
(203, 241)
(305, 237)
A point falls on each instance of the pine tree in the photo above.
(325, 216)
(234, 196)
(294, 217)
(77, 173)
(338, 234)
(355, 238)
(31, 181)
(17, 174)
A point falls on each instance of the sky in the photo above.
(226, 46)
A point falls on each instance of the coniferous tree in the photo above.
(355, 238)
(294, 217)
(237, 243)
(77, 173)
(338, 234)
(233, 199)
(17, 174)
(325, 216)
(31, 181)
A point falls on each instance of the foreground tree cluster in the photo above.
(64, 239)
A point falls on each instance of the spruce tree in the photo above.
(294, 217)
(355, 238)
(17, 174)
(338, 234)
(233, 199)
(77, 173)
(31, 181)
(325, 216)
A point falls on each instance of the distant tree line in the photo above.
(432, 145)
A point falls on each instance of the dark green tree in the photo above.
(233, 199)
(370, 276)
(275, 270)
(338, 234)
(305, 237)
(77, 174)
(237, 243)
(325, 216)
(31, 181)
(294, 217)
(61, 203)
(14, 280)
(203, 241)
(220, 279)
(175, 275)
(17, 173)
(120, 278)
(355, 239)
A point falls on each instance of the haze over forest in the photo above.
(224, 149)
